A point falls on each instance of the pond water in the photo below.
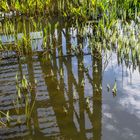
(72, 93)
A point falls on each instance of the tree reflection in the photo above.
(63, 76)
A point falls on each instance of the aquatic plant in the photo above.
(24, 90)
(65, 110)
(114, 90)
(5, 119)
(82, 8)
(108, 87)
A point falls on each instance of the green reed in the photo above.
(84, 8)
(5, 119)
(23, 100)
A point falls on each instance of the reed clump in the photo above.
(23, 100)
(84, 8)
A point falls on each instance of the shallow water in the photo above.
(74, 102)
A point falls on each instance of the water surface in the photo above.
(71, 97)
